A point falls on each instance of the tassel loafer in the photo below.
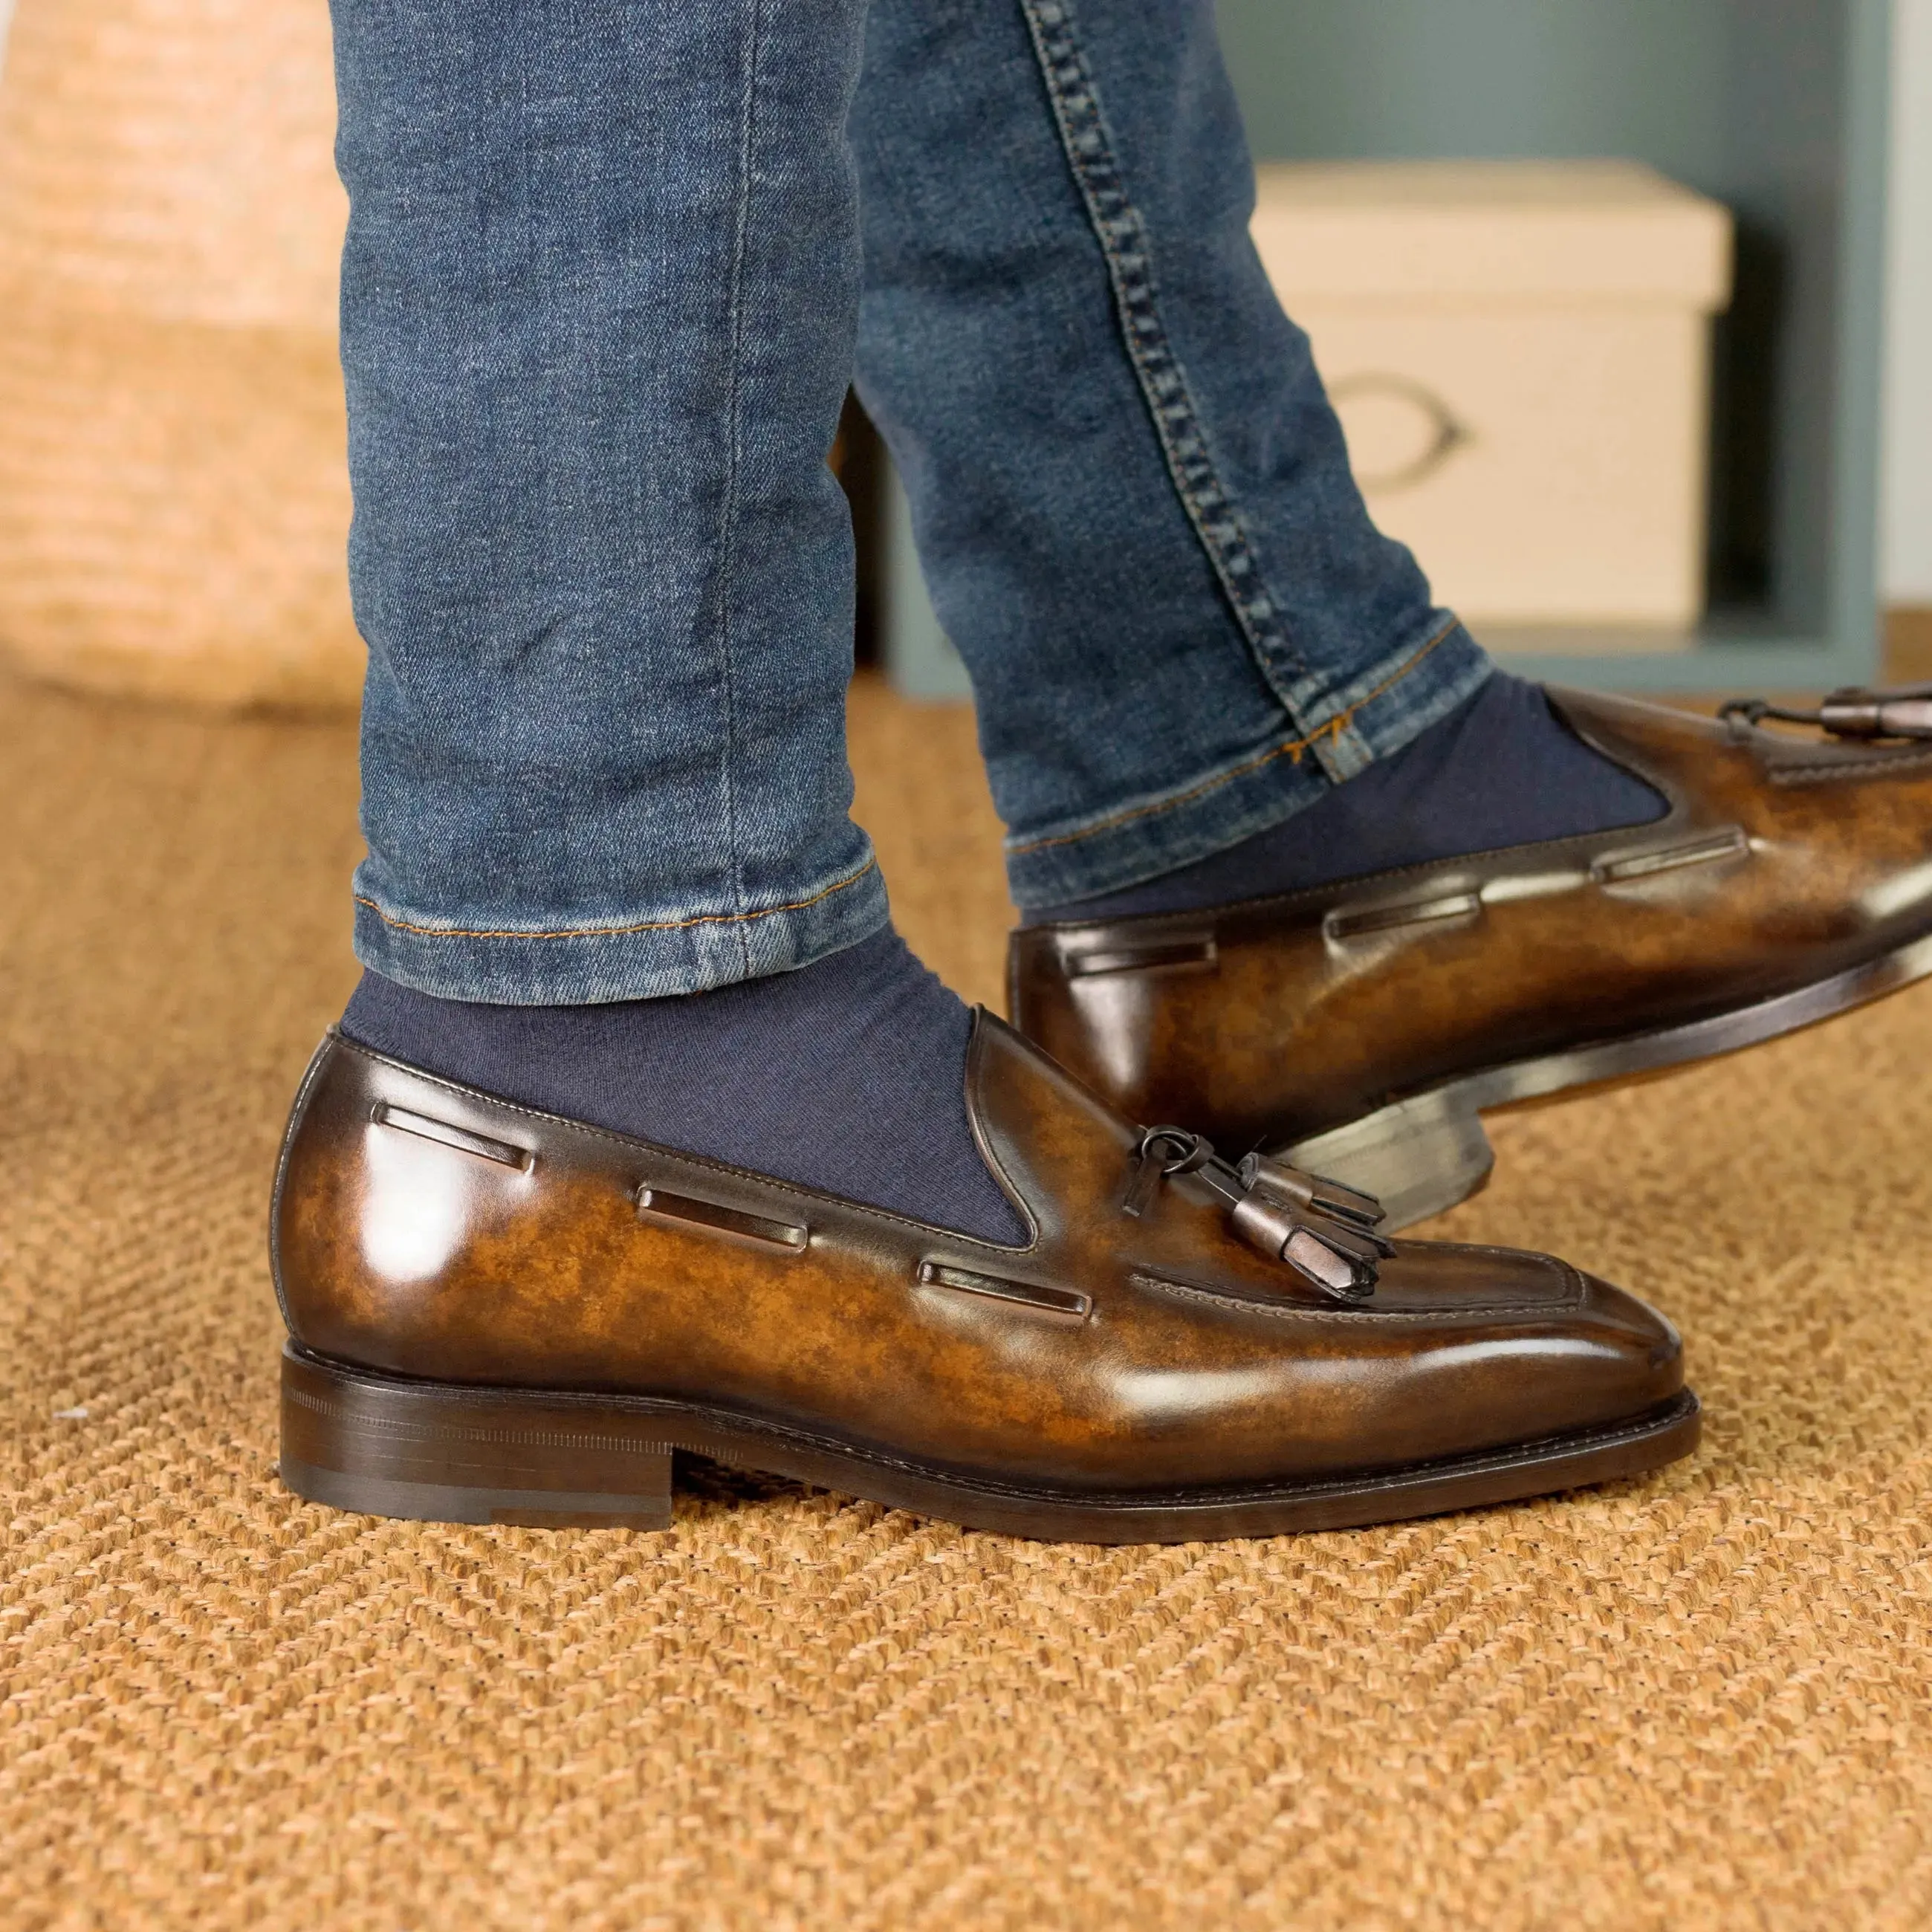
(497, 1315)
(1362, 1029)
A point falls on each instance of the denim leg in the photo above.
(1132, 498)
(598, 303)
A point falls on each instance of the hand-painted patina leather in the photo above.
(1791, 878)
(427, 1236)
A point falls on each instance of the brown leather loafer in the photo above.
(1360, 1030)
(499, 1316)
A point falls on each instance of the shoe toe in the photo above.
(1527, 1346)
(1639, 1354)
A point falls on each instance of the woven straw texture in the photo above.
(1699, 1700)
(174, 498)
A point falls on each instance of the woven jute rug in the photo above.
(1700, 1700)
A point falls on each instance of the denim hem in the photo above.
(1388, 707)
(655, 954)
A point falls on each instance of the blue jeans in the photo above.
(611, 266)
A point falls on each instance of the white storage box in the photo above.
(1519, 352)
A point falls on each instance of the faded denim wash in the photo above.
(611, 266)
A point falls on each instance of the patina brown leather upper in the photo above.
(424, 1230)
(1780, 861)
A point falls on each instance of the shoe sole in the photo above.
(433, 1452)
(1424, 1154)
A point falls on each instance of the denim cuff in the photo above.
(659, 952)
(1390, 703)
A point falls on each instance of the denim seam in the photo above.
(617, 932)
(1122, 234)
(1293, 749)
(734, 458)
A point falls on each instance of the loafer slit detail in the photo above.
(446, 1135)
(1733, 842)
(1165, 954)
(687, 1211)
(1346, 925)
(1063, 1303)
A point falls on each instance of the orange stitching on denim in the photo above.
(618, 931)
(1335, 727)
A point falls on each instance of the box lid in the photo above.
(1464, 232)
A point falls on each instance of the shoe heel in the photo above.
(1417, 1157)
(431, 1453)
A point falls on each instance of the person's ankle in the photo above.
(1502, 769)
(847, 1076)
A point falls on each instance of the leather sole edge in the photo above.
(381, 1445)
(1424, 1154)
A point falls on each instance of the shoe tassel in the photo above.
(1853, 712)
(1325, 1231)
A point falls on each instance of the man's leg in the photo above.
(599, 288)
(1297, 869)
(598, 304)
(1132, 498)
(598, 307)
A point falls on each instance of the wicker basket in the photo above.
(174, 499)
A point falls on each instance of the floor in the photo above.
(1698, 1700)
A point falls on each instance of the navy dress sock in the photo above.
(1501, 769)
(847, 1075)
